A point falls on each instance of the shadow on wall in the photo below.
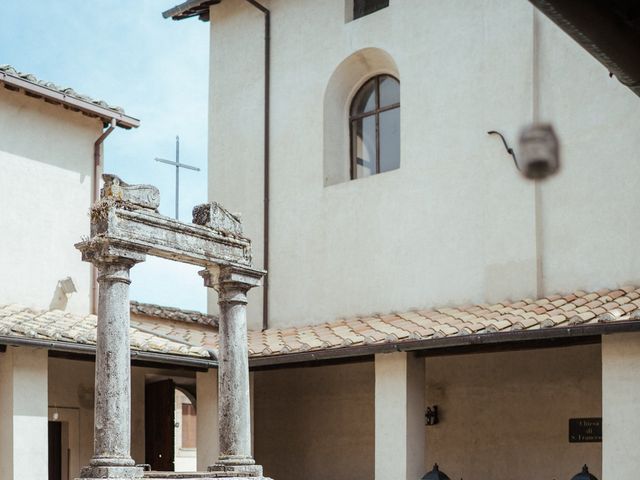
(345, 81)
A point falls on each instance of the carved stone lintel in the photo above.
(166, 237)
(218, 218)
(132, 197)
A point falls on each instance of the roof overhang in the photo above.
(174, 360)
(191, 8)
(520, 339)
(69, 102)
(608, 29)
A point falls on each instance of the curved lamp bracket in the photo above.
(506, 146)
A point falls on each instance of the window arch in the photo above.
(374, 122)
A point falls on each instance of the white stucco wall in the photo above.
(207, 442)
(71, 389)
(620, 405)
(506, 415)
(399, 416)
(23, 414)
(46, 160)
(503, 415)
(456, 223)
(316, 423)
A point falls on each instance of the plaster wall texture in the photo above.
(46, 157)
(316, 423)
(620, 405)
(399, 416)
(506, 415)
(23, 408)
(71, 389)
(207, 419)
(455, 223)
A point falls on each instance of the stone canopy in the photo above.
(125, 228)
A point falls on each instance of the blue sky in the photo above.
(124, 52)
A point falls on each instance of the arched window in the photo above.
(375, 127)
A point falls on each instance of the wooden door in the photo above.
(159, 424)
(55, 451)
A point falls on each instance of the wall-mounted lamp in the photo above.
(584, 475)
(539, 149)
(431, 416)
(67, 286)
(435, 474)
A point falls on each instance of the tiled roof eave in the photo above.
(187, 360)
(577, 333)
(73, 102)
(190, 8)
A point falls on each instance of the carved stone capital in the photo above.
(103, 253)
(232, 282)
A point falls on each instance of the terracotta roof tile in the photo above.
(186, 336)
(58, 326)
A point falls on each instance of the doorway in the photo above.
(58, 450)
(159, 425)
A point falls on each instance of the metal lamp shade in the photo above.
(584, 475)
(539, 152)
(435, 474)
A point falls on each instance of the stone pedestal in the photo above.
(200, 476)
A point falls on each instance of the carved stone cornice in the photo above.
(165, 237)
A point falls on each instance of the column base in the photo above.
(201, 476)
(243, 470)
(113, 473)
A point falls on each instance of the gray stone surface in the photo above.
(232, 284)
(215, 216)
(130, 196)
(166, 237)
(112, 418)
(111, 472)
(125, 228)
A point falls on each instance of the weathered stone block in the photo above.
(130, 196)
(110, 472)
(215, 216)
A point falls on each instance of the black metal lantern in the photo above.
(584, 475)
(435, 474)
(539, 152)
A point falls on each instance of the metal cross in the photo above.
(178, 165)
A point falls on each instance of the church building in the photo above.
(411, 268)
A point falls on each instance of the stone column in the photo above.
(232, 284)
(112, 422)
